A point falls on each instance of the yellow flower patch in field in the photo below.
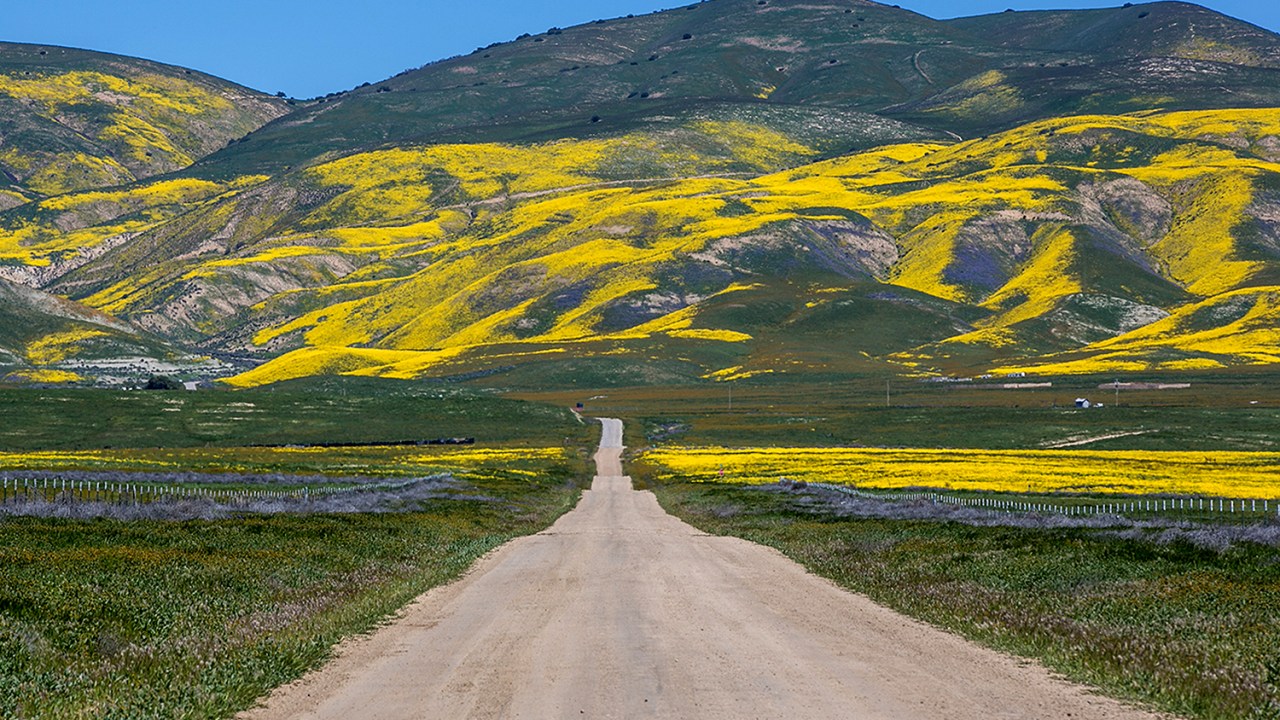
(153, 92)
(989, 93)
(711, 334)
(389, 461)
(754, 144)
(1215, 474)
(140, 116)
(57, 347)
(931, 248)
(134, 209)
(45, 375)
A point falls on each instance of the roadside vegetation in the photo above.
(162, 619)
(217, 551)
(1176, 625)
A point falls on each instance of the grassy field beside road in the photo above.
(195, 619)
(1189, 630)
(1226, 411)
(312, 411)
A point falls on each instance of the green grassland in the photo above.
(1187, 630)
(154, 619)
(338, 410)
(1217, 412)
(146, 618)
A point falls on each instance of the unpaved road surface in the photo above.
(622, 611)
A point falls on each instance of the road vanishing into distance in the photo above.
(620, 610)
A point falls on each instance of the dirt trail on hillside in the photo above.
(1078, 441)
(622, 611)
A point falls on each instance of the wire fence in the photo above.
(1181, 507)
(46, 494)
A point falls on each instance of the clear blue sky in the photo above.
(312, 47)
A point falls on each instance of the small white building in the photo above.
(1083, 403)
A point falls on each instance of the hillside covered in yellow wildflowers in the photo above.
(1003, 202)
(75, 119)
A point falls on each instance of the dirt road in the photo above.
(622, 611)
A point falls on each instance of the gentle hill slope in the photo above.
(44, 338)
(1158, 29)
(829, 57)
(75, 119)
(741, 205)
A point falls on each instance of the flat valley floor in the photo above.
(620, 610)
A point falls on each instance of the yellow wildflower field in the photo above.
(1214, 474)
(375, 461)
(44, 375)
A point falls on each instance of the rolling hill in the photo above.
(830, 57)
(722, 191)
(75, 120)
(48, 339)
